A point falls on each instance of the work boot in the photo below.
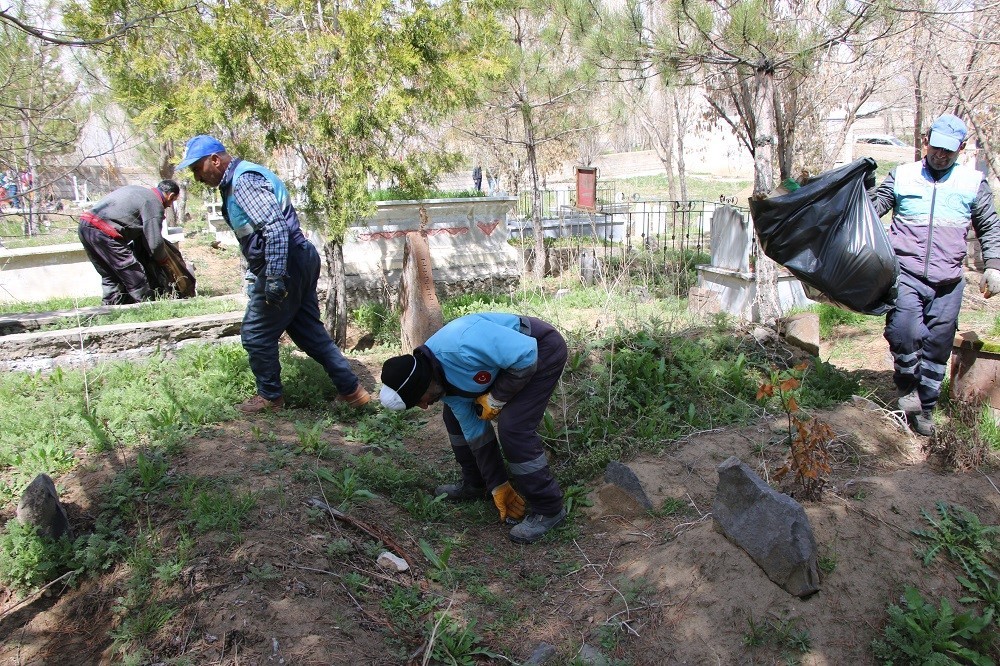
(259, 403)
(359, 397)
(534, 526)
(460, 492)
(909, 402)
(923, 423)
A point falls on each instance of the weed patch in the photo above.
(920, 632)
(28, 560)
(968, 438)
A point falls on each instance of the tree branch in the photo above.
(52, 38)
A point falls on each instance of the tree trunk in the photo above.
(918, 114)
(680, 129)
(763, 182)
(180, 206)
(785, 115)
(336, 297)
(173, 216)
(763, 110)
(536, 198)
(166, 158)
(27, 195)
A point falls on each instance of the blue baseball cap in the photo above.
(948, 132)
(198, 147)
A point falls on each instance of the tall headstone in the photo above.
(420, 311)
(731, 240)
(588, 267)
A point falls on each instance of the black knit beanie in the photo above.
(404, 381)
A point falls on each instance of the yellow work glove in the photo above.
(508, 501)
(487, 408)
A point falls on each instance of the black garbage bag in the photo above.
(826, 233)
(175, 279)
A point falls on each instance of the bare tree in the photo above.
(968, 64)
(534, 109)
(38, 112)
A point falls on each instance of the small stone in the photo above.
(541, 655)
(591, 656)
(622, 476)
(802, 331)
(762, 335)
(393, 563)
(40, 506)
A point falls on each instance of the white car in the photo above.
(879, 140)
(884, 148)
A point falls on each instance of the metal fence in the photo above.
(554, 200)
(669, 228)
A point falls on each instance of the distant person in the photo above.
(283, 273)
(27, 182)
(12, 188)
(477, 178)
(129, 216)
(486, 367)
(933, 203)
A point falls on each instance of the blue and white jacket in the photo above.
(479, 353)
(931, 218)
(247, 230)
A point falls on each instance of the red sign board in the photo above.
(586, 188)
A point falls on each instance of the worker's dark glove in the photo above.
(990, 284)
(487, 408)
(870, 181)
(508, 502)
(274, 291)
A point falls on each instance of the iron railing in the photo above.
(654, 226)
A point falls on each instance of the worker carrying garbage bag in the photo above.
(826, 233)
(934, 203)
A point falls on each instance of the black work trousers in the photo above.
(123, 280)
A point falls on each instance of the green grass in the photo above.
(396, 194)
(50, 305)
(61, 228)
(698, 188)
(138, 313)
(49, 417)
(150, 311)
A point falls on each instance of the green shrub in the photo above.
(646, 388)
(378, 320)
(920, 633)
(459, 306)
(404, 194)
(825, 385)
(29, 560)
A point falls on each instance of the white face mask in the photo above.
(390, 399)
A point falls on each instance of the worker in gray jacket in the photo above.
(933, 203)
(110, 230)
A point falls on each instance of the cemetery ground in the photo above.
(202, 537)
(205, 540)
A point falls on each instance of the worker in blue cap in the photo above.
(283, 269)
(933, 203)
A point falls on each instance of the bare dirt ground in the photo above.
(643, 589)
